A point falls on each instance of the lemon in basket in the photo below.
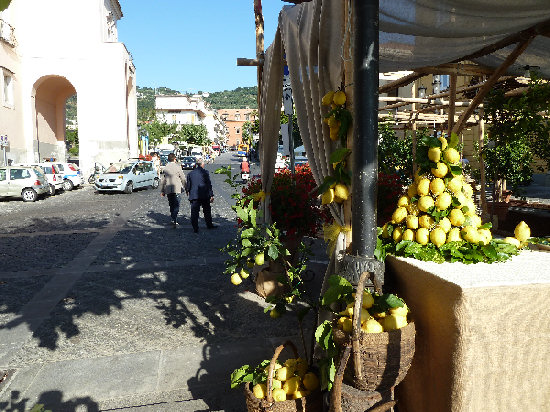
(292, 385)
(279, 395)
(310, 381)
(260, 390)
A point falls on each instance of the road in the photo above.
(105, 306)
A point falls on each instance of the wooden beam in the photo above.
(403, 81)
(242, 61)
(520, 48)
(259, 21)
(452, 103)
(462, 69)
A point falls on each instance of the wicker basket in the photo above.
(379, 360)
(310, 403)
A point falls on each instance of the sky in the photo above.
(193, 46)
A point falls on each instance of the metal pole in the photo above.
(365, 102)
(291, 144)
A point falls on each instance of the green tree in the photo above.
(71, 141)
(394, 153)
(194, 134)
(158, 130)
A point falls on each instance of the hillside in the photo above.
(240, 98)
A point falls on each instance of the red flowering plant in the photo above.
(294, 205)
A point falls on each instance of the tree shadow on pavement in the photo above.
(18, 404)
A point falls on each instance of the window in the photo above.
(2, 175)
(237, 116)
(174, 118)
(238, 130)
(247, 116)
(17, 174)
(444, 81)
(7, 90)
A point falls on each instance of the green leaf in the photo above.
(247, 233)
(338, 288)
(240, 375)
(247, 251)
(339, 154)
(490, 251)
(329, 180)
(246, 243)
(453, 141)
(242, 214)
(321, 333)
(456, 170)
(272, 252)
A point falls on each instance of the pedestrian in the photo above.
(156, 162)
(171, 185)
(199, 190)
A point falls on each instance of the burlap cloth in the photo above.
(483, 334)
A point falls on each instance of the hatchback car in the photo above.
(53, 175)
(26, 182)
(127, 176)
(72, 176)
(188, 162)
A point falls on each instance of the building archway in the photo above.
(50, 95)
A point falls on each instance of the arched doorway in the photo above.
(49, 130)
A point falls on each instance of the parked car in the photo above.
(127, 176)
(72, 176)
(188, 162)
(27, 182)
(53, 175)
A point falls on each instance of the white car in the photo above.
(72, 176)
(127, 176)
(26, 182)
(54, 176)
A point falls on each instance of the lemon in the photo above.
(339, 98)
(474, 221)
(400, 311)
(512, 241)
(259, 259)
(310, 381)
(418, 176)
(403, 201)
(236, 279)
(244, 274)
(327, 98)
(368, 300)
(285, 373)
(385, 233)
(260, 390)
(291, 385)
(411, 190)
(467, 189)
(469, 234)
(485, 235)
(423, 187)
(440, 170)
(461, 198)
(445, 224)
(425, 203)
(438, 236)
(341, 191)
(274, 314)
(397, 234)
(333, 122)
(380, 315)
(392, 322)
(412, 222)
(290, 362)
(455, 184)
(372, 326)
(334, 133)
(471, 208)
(413, 209)
(443, 201)
(408, 234)
(522, 232)
(454, 235)
(399, 215)
(347, 325)
(341, 321)
(451, 155)
(327, 197)
(279, 395)
(434, 154)
(443, 142)
(301, 367)
(426, 221)
(365, 315)
(437, 186)
(300, 394)
(422, 236)
(457, 217)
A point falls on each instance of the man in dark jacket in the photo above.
(199, 189)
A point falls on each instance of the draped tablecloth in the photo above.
(483, 334)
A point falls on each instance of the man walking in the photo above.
(199, 189)
(171, 185)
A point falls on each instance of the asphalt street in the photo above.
(104, 306)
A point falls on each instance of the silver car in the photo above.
(127, 176)
(25, 182)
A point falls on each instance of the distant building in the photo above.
(50, 51)
(234, 120)
(190, 109)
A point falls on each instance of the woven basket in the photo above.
(310, 403)
(379, 360)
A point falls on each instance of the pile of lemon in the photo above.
(438, 192)
(334, 99)
(292, 380)
(338, 193)
(373, 322)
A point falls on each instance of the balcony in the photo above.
(7, 33)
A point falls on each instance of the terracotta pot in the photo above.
(267, 283)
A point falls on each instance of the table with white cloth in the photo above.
(483, 334)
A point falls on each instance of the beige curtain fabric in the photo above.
(270, 116)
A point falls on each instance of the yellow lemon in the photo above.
(412, 222)
(259, 259)
(290, 362)
(445, 224)
(485, 235)
(471, 208)
(236, 279)
(327, 197)
(522, 232)
(451, 155)
(443, 142)
(455, 184)
(260, 390)
(411, 190)
(339, 98)
(422, 236)
(423, 187)
(372, 326)
(426, 221)
(469, 234)
(300, 394)
(400, 311)
(341, 322)
(244, 274)
(443, 201)
(327, 98)
(437, 186)
(347, 325)
(301, 367)
(461, 198)
(440, 170)
(276, 384)
(434, 154)
(413, 209)
(279, 395)
(399, 215)
(403, 201)
(310, 381)
(284, 373)
(334, 133)
(438, 236)
(408, 234)
(454, 235)
(456, 217)
(418, 176)
(467, 189)
(392, 322)
(397, 234)
(385, 233)
(341, 191)
(425, 203)
(368, 300)
(512, 241)
(474, 221)
(333, 122)
(291, 385)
